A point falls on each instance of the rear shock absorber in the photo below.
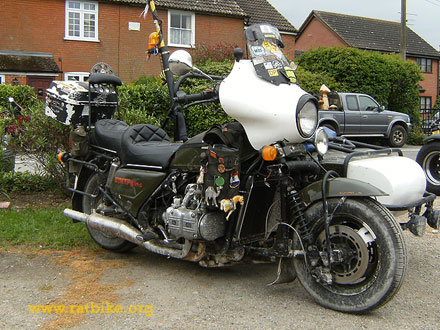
(297, 207)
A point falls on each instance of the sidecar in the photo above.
(401, 178)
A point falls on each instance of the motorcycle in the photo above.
(13, 118)
(246, 189)
(428, 158)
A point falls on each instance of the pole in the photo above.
(403, 30)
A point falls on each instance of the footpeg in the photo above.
(416, 225)
(433, 218)
(148, 236)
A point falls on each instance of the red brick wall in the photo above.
(430, 84)
(39, 25)
(289, 45)
(315, 35)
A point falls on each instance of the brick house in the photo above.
(331, 29)
(72, 35)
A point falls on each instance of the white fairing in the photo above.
(400, 177)
(266, 111)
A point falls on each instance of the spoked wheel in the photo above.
(370, 261)
(428, 158)
(89, 205)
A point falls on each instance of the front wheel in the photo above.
(371, 261)
(428, 158)
(398, 136)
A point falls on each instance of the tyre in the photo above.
(372, 261)
(89, 204)
(398, 136)
(428, 158)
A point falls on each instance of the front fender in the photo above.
(397, 122)
(339, 187)
(434, 137)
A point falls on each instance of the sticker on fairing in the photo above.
(273, 72)
(270, 47)
(268, 65)
(258, 50)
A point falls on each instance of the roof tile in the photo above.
(374, 34)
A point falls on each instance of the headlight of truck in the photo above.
(306, 116)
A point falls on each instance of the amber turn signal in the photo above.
(60, 156)
(269, 153)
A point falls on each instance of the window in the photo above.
(352, 103)
(181, 29)
(425, 64)
(2, 79)
(76, 76)
(367, 104)
(425, 104)
(81, 20)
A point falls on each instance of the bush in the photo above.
(25, 181)
(392, 81)
(219, 52)
(416, 136)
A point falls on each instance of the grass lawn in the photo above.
(43, 228)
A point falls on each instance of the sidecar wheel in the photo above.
(428, 158)
(105, 241)
(373, 262)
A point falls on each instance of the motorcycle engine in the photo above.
(184, 218)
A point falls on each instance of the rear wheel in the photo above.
(90, 204)
(428, 158)
(371, 260)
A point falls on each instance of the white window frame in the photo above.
(82, 12)
(80, 75)
(2, 79)
(193, 28)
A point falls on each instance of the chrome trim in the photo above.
(104, 149)
(151, 167)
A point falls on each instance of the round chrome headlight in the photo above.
(306, 116)
(321, 141)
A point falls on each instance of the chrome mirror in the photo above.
(180, 62)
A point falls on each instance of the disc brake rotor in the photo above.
(355, 253)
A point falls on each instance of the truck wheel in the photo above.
(428, 158)
(398, 136)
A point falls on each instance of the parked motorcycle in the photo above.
(12, 115)
(429, 159)
(246, 189)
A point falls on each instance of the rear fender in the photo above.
(339, 187)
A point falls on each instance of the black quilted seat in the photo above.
(108, 133)
(146, 144)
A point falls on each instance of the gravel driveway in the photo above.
(186, 296)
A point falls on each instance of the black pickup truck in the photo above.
(353, 114)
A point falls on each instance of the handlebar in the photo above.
(205, 95)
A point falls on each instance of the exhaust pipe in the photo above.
(122, 229)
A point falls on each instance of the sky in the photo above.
(423, 16)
